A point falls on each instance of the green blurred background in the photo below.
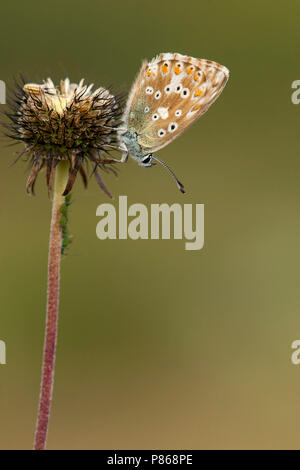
(161, 347)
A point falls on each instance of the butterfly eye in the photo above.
(149, 90)
(146, 109)
(178, 89)
(161, 133)
(157, 95)
(167, 89)
(185, 93)
(178, 112)
(147, 160)
(155, 117)
(172, 127)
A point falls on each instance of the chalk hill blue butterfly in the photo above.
(168, 95)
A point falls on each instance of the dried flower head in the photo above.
(70, 123)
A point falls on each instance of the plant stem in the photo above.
(61, 177)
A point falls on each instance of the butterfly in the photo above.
(168, 95)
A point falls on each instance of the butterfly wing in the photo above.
(169, 94)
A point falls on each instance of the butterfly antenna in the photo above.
(179, 185)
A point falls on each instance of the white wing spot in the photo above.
(163, 112)
(185, 93)
(155, 117)
(172, 127)
(178, 88)
(146, 109)
(149, 90)
(168, 89)
(157, 95)
(178, 112)
(161, 133)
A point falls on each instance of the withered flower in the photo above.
(62, 129)
(70, 123)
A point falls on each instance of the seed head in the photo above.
(70, 123)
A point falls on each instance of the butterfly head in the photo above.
(135, 150)
(129, 139)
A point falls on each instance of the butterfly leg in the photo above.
(124, 157)
(114, 160)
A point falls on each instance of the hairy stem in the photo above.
(61, 177)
